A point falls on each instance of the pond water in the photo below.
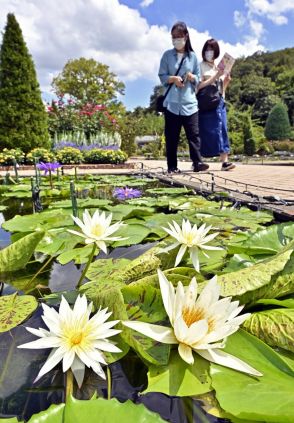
(129, 375)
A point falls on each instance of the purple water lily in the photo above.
(126, 193)
(48, 167)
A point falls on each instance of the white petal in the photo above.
(65, 311)
(68, 359)
(106, 346)
(191, 294)
(196, 332)
(78, 369)
(180, 328)
(167, 294)
(98, 369)
(38, 332)
(228, 360)
(179, 301)
(102, 246)
(186, 353)
(76, 233)
(159, 333)
(54, 358)
(45, 342)
(209, 295)
(195, 258)
(180, 254)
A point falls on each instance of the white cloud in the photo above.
(239, 19)
(146, 3)
(105, 30)
(274, 10)
(256, 28)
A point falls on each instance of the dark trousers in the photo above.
(173, 125)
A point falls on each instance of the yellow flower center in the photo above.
(190, 239)
(192, 315)
(76, 339)
(97, 230)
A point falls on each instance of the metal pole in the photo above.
(15, 165)
(33, 190)
(73, 196)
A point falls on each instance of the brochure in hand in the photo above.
(226, 63)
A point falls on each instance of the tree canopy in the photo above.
(277, 126)
(23, 118)
(88, 81)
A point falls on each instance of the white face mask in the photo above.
(179, 43)
(209, 55)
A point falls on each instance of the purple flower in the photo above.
(48, 167)
(126, 193)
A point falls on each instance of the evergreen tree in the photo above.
(277, 125)
(23, 118)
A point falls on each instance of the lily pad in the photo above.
(179, 378)
(14, 310)
(268, 398)
(108, 410)
(252, 283)
(17, 255)
(275, 327)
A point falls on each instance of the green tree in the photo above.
(277, 125)
(285, 86)
(88, 81)
(23, 118)
(157, 91)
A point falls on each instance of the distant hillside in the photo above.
(261, 81)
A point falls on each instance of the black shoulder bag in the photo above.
(160, 99)
(208, 98)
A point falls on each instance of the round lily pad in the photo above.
(15, 309)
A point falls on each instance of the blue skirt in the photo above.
(213, 131)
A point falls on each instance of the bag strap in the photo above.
(170, 85)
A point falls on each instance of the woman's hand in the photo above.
(190, 77)
(177, 80)
(227, 79)
(220, 72)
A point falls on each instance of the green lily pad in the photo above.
(268, 398)
(108, 411)
(179, 378)
(265, 241)
(275, 327)
(17, 255)
(45, 220)
(14, 310)
(273, 275)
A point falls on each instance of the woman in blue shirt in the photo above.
(180, 102)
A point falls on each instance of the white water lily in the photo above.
(192, 238)
(198, 324)
(75, 339)
(97, 228)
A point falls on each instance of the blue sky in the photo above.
(130, 36)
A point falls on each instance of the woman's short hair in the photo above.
(213, 44)
(182, 27)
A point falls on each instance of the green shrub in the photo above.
(98, 155)
(237, 149)
(265, 148)
(41, 154)
(249, 147)
(69, 155)
(277, 125)
(7, 156)
(283, 146)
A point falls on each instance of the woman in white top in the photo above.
(213, 123)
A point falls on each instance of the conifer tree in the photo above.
(277, 125)
(23, 118)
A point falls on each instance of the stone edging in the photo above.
(79, 166)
